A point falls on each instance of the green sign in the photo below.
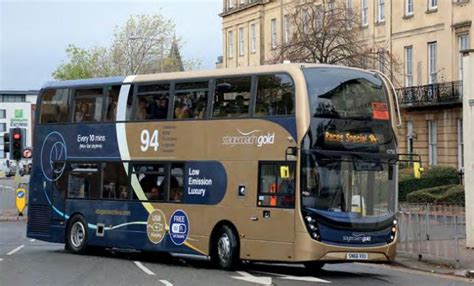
(18, 113)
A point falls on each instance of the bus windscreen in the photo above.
(346, 94)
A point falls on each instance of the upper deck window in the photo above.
(275, 95)
(232, 97)
(346, 94)
(88, 105)
(54, 105)
(152, 101)
(190, 100)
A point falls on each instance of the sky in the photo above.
(34, 34)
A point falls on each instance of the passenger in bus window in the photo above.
(154, 193)
(82, 112)
(141, 112)
(160, 110)
(112, 111)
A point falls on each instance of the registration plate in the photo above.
(357, 256)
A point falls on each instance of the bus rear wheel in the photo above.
(76, 236)
(225, 250)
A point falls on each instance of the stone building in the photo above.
(424, 36)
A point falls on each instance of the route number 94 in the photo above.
(149, 140)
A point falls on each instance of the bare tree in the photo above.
(329, 33)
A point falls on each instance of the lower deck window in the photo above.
(84, 181)
(276, 185)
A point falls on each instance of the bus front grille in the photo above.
(39, 219)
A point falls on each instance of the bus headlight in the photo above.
(312, 225)
(393, 230)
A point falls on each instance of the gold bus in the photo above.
(291, 163)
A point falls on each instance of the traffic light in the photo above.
(16, 145)
(6, 142)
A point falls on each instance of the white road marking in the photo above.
(32, 240)
(254, 279)
(15, 250)
(144, 268)
(166, 282)
(304, 278)
(1, 259)
(295, 278)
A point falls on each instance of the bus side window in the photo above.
(152, 180)
(88, 105)
(276, 185)
(190, 100)
(115, 182)
(176, 183)
(84, 181)
(152, 102)
(232, 97)
(54, 106)
(275, 95)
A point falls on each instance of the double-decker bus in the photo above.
(290, 162)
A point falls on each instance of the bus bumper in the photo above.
(308, 249)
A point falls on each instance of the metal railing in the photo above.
(432, 231)
(431, 94)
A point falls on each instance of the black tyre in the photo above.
(225, 249)
(76, 235)
(313, 266)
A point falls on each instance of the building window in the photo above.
(230, 44)
(253, 38)
(3, 127)
(349, 13)
(306, 21)
(241, 42)
(319, 19)
(365, 12)
(432, 4)
(408, 7)
(460, 145)
(381, 10)
(274, 33)
(409, 66)
(410, 137)
(332, 8)
(12, 98)
(231, 4)
(432, 143)
(286, 28)
(432, 47)
(242, 2)
(381, 60)
(463, 42)
(3, 114)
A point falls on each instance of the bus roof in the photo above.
(293, 67)
(233, 71)
(85, 82)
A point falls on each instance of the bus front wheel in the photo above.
(313, 266)
(76, 240)
(225, 250)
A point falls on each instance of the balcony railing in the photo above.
(446, 93)
(238, 6)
